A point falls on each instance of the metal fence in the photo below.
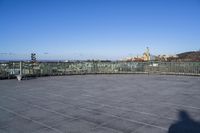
(11, 69)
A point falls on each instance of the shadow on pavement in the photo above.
(185, 124)
(29, 78)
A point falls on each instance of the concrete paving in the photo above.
(98, 103)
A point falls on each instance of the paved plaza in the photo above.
(132, 103)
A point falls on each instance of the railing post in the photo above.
(20, 68)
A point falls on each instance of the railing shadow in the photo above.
(185, 124)
(29, 77)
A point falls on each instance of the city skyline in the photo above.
(97, 29)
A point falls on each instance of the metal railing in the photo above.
(11, 69)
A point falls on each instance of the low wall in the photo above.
(11, 69)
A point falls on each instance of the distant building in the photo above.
(193, 56)
(146, 57)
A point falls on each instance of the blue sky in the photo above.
(91, 29)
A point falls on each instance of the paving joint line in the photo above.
(27, 118)
(75, 118)
(108, 114)
(198, 108)
(125, 109)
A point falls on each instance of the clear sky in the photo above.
(91, 29)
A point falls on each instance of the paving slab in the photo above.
(133, 103)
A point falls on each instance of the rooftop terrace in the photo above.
(100, 104)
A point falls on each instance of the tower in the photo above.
(146, 55)
(33, 57)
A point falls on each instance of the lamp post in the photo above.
(19, 77)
